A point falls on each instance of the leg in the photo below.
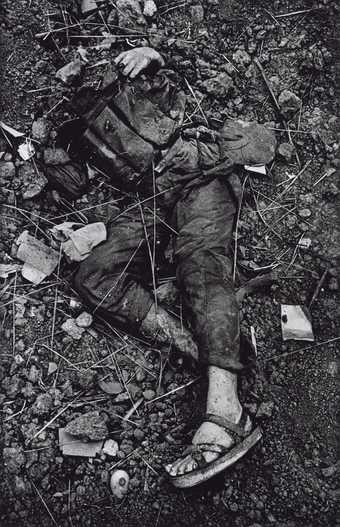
(111, 281)
(205, 220)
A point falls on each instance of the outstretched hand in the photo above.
(136, 60)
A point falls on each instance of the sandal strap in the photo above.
(238, 429)
(205, 447)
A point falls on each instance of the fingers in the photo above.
(121, 57)
(140, 66)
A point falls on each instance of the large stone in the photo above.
(70, 73)
(289, 103)
(219, 86)
(7, 172)
(56, 156)
(41, 130)
(130, 15)
(43, 404)
(31, 181)
(88, 427)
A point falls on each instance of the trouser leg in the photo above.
(205, 219)
(113, 279)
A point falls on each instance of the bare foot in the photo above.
(207, 433)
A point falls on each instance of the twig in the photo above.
(197, 101)
(55, 417)
(173, 391)
(132, 410)
(295, 178)
(293, 13)
(45, 504)
(13, 312)
(55, 298)
(318, 287)
(290, 353)
(328, 172)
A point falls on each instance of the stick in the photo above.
(173, 391)
(197, 101)
(289, 353)
(318, 287)
(45, 504)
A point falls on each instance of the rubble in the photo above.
(41, 129)
(7, 172)
(289, 103)
(39, 260)
(286, 150)
(218, 86)
(30, 180)
(88, 427)
(71, 72)
(72, 446)
(296, 323)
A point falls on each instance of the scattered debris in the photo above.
(39, 260)
(304, 243)
(265, 409)
(72, 329)
(71, 446)
(296, 323)
(76, 327)
(286, 150)
(84, 320)
(26, 150)
(197, 13)
(219, 86)
(318, 287)
(289, 103)
(11, 130)
(30, 180)
(41, 129)
(71, 72)
(130, 16)
(119, 483)
(305, 213)
(78, 244)
(52, 367)
(88, 7)
(110, 447)
(8, 269)
(111, 387)
(88, 427)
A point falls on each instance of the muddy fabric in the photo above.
(115, 278)
(193, 177)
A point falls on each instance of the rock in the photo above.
(34, 374)
(89, 427)
(333, 284)
(218, 86)
(83, 379)
(139, 434)
(110, 447)
(12, 386)
(130, 15)
(265, 409)
(241, 58)
(41, 129)
(286, 150)
(43, 404)
(72, 329)
(70, 73)
(305, 213)
(84, 320)
(149, 395)
(13, 459)
(197, 13)
(119, 483)
(7, 172)
(289, 103)
(56, 156)
(31, 181)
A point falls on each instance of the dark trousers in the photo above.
(114, 278)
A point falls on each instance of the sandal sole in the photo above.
(198, 476)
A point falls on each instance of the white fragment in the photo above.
(258, 169)
(296, 323)
(110, 447)
(119, 483)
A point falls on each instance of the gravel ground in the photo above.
(47, 378)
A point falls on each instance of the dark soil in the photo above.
(291, 478)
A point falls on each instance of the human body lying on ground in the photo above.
(137, 133)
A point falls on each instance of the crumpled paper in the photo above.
(296, 323)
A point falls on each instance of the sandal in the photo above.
(243, 442)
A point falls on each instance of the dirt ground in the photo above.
(291, 477)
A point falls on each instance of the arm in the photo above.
(134, 61)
